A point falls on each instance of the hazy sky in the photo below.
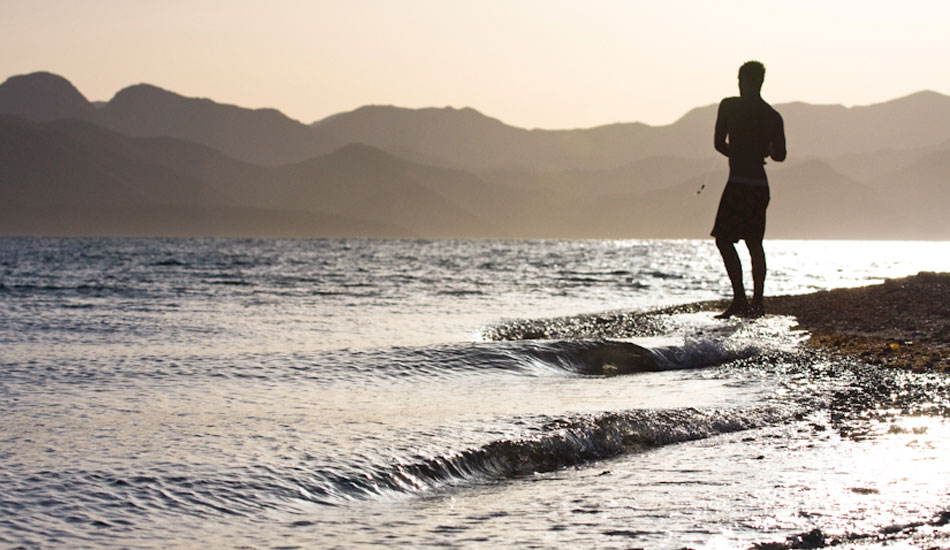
(530, 63)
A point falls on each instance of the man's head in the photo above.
(751, 75)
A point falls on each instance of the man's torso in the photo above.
(751, 125)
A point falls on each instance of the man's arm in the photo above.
(777, 147)
(719, 139)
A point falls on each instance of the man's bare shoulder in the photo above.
(729, 102)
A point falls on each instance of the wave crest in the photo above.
(556, 445)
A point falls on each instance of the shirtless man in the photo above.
(747, 131)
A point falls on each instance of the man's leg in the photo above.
(734, 269)
(757, 254)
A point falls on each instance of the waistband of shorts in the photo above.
(749, 181)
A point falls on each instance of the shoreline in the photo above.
(900, 323)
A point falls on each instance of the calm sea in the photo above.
(359, 393)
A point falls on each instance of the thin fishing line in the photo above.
(708, 173)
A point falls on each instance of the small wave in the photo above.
(581, 279)
(83, 289)
(699, 352)
(228, 282)
(530, 358)
(169, 263)
(525, 358)
(604, 358)
(556, 445)
(612, 358)
(460, 292)
(549, 446)
(656, 274)
(79, 306)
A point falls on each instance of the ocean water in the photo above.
(186, 393)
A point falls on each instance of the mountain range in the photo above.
(152, 162)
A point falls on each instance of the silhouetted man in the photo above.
(747, 131)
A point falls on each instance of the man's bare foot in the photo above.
(755, 310)
(737, 308)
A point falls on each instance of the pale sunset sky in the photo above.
(530, 63)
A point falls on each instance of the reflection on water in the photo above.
(162, 393)
(278, 296)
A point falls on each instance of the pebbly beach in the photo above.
(902, 323)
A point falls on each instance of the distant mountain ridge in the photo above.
(465, 138)
(48, 169)
(152, 162)
(263, 136)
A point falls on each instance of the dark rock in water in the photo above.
(811, 539)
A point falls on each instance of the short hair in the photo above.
(752, 72)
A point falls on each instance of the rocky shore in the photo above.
(900, 323)
(903, 323)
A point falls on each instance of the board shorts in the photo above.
(741, 213)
